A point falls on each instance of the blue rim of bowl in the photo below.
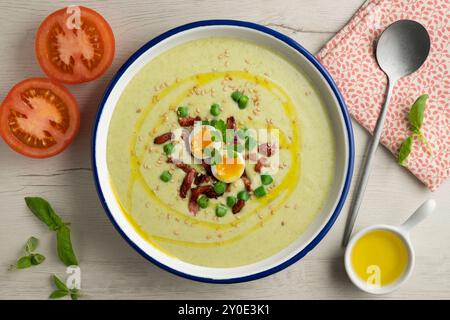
(292, 43)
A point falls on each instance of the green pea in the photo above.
(220, 187)
(221, 210)
(213, 122)
(215, 136)
(236, 95)
(215, 109)
(182, 112)
(203, 202)
(165, 176)
(242, 103)
(216, 157)
(250, 143)
(214, 154)
(205, 122)
(243, 195)
(266, 179)
(260, 192)
(168, 148)
(231, 201)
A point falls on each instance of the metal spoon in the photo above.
(401, 49)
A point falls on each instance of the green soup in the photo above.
(198, 74)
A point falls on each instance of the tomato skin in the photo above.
(83, 75)
(13, 98)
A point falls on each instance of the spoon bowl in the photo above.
(402, 48)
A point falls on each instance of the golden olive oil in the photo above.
(379, 257)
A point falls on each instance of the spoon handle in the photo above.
(419, 215)
(366, 166)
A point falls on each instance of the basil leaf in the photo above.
(59, 284)
(221, 126)
(74, 296)
(24, 262)
(37, 259)
(416, 114)
(405, 150)
(31, 245)
(57, 294)
(44, 212)
(64, 246)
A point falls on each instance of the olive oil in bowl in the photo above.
(380, 257)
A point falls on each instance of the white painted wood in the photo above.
(111, 269)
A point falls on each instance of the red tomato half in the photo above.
(39, 118)
(75, 45)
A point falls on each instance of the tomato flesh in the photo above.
(75, 55)
(39, 118)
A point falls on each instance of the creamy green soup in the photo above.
(198, 74)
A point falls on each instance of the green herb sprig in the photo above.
(62, 290)
(44, 212)
(30, 258)
(221, 126)
(416, 118)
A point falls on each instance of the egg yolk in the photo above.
(229, 169)
(200, 141)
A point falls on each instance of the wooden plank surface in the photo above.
(110, 268)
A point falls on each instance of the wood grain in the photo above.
(110, 268)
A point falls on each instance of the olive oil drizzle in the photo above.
(285, 188)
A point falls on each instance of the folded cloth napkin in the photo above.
(349, 57)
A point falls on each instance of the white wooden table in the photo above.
(110, 268)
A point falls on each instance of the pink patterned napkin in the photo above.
(350, 60)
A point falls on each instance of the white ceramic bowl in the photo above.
(323, 83)
(363, 285)
(402, 232)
